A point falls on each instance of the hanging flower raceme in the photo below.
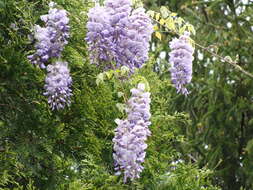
(99, 36)
(136, 44)
(52, 38)
(119, 11)
(119, 36)
(58, 83)
(181, 57)
(131, 134)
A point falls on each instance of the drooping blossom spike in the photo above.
(57, 87)
(119, 11)
(51, 39)
(131, 134)
(136, 44)
(127, 42)
(138, 106)
(99, 36)
(181, 57)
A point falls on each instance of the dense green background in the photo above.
(220, 105)
(199, 142)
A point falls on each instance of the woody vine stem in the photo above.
(223, 59)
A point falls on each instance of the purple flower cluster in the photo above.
(52, 38)
(118, 34)
(131, 134)
(58, 83)
(99, 36)
(181, 57)
(119, 11)
(139, 34)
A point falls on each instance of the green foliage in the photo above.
(184, 177)
(72, 148)
(169, 22)
(116, 74)
(220, 103)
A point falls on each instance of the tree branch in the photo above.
(223, 59)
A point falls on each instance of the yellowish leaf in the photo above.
(179, 20)
(162, 21)
(156, 28)
(164, 11)
(173, 14)
(158, 35)
(192, 42)
(191, 29)
(151, 13)
(157, 16)
(182, 29)
(170, 24)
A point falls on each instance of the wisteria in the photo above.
(139, 34)
(119, 11)
(58, 83)
(115, 35)
(99, 36)
(181, 57)
(131, 134)
(51, 39)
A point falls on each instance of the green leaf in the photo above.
(121, 107)
(151, 13)
(120, 94)
(191, 29)
(179, 21)
(182, 30)
(124, 70)
(164, 11)
(100, 79)
(109, 74)
(228, 59)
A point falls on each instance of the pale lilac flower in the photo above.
(58, 83)
(135, 45)
(181, 57)
(119, 11)
(120, 38)
(131, 134)
(99, 36)
(51, 39)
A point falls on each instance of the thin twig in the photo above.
(191, 157)
(8, 106)
(234, 64)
